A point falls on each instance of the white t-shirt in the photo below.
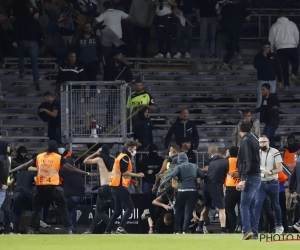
(268, 161)
(166, 10)
(112, 19)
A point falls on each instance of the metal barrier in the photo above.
(91, 112)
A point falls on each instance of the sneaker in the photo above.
(225, 66)
(287, 88)
(247, 236)
(297, 226)
(150, 230)
(168, 55)
(30, 231)
(106, 232)
(187, 55)
(294, 79)
(87, 232)
(159, 55)
(43, 224)
(205, 231)
(121, 230)
(177, 55)
(279, 230)
(238, 229)
(146, 214)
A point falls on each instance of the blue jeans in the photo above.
(147, 187)
(32, 47)
(72, 203)
(208, 29)
(272, 190)
(184, 35)
(259, 96)
(252, 184)
(269, 131)
(2, 196)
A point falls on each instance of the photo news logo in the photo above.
(278, 237)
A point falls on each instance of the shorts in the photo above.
(213, 192)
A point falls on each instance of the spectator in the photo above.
(284, 37)
(232, 17)
(268, 68)
(142, 17)
(115, 70)
(207, 17)
(255, 129)
(112, 18)
(71, 71)
(183, 128)
(27, 33)
(21, 155)
(269, 113)
(139, 97)
(142, 129)
(184, 28)
(89, 51)
(163, 23)
(54, 132)
(290, 152)
(150, 166)
(186, 148)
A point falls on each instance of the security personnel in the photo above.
(290, 152)
(48, 165)
(139, 98)
(119, 182)
(232, 197)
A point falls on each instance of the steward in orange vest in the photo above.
(232, 196)
(290, 152)
(119, 182)
(48, 165)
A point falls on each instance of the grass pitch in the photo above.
(138, 242)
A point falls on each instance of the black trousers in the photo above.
(164, 32)
(122, 198)
(6, 211)
(267, 217)
(282, 202)
(143, 34)
(184, 207)
(21, 201)
(232, 198)
(287, 56)
(105, 200)
(232, 38)
(42, 195)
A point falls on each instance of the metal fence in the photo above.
(91, 112)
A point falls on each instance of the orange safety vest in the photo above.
(69, 154)
(282, 177)
(289, 159)
(116, 178)
(48, 166)
(230, 181)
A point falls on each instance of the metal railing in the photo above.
(92, 113)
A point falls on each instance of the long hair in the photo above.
(52, 147)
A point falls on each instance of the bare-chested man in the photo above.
(105, 199)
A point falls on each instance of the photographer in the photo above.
(163, 23)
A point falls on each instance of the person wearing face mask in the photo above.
(119, 183)
(21, 155)
(270, 166)
(290, 152)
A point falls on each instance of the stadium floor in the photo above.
(137, 242)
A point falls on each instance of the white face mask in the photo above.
(170, 154)
(133, 153)
(61, 150)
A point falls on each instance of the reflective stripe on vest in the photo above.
(116, 177)
(48, 166)
(230, 181)
(69, 154)
(289, 159)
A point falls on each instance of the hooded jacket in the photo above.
(142, 129)
(19, 158)
(181, 131)
(284, 34)
(186, 172)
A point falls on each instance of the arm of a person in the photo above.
(51, 113)
(91, 160)
(278, 162)
(296, 33)
(24, 166)
(163, 167)
(247, 152)
(276, 101)
(99, 19)
(235, 135)
(151, 102)
(124, 162)
(200, 173)
(174, 184)
(125, 16)
(158, 202)
(169, 136)
(73, 169)
(172, 3)
(272, 38)
(256, 61)
(170, 176)
(195, 136)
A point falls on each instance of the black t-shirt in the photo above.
(207, 8)
(186, 6)
(25, 179)
(150, 166)
(191, 156)
(3, 147)
(55, 121)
